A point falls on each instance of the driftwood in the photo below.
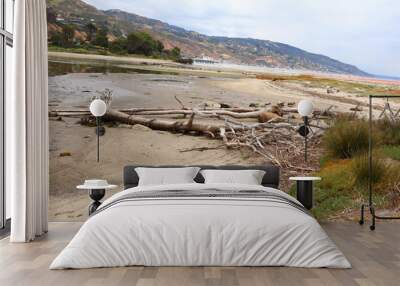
(240, 113)
(252, 114)
(234, 112)
(190, 125)
(163, 124)
(268, 132)
(201, 149)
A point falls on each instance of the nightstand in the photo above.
(304, 190)
(97, 190)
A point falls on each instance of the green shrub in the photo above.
(334, 193)
(360, 170)
(101, 38)
(388, 131)
(346, 138)
(391, 151)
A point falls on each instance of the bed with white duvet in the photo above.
(201, 225)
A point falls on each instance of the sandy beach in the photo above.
(158, 86)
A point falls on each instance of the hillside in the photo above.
(193, 44)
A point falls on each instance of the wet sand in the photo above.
(146, 90)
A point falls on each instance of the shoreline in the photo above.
(230, 68)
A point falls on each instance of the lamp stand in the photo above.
(305, 137)
(98, 138)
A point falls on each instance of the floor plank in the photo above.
(375, 257)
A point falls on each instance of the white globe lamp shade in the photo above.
(305, 107)
(98, 107)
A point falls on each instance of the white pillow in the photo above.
(247, 177)
(166, 176)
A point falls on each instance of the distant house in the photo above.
(205, 60)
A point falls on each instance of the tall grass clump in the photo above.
(388, 131)
(346, 138)
(360, 170)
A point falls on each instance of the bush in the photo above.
(185, 61)
(388, 131)
(67, 36)
(360, 170)
(334, 193)
(101, 38)
(346, 138)
(119, 46)
(143, 43)
(391, 151)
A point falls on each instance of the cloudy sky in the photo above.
(365, 33)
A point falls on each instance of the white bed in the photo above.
(269, 229)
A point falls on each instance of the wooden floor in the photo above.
(375, 257)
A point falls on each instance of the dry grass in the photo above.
(275, 77)
(350, 86)
(345, 138)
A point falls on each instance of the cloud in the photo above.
(361, 32)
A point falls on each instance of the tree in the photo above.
(160, 47)
(101, 38)
(67, 37)
(144, 43)
(56, 39)
(91, 30)
(51, 15)
(119, 46)
(176, 53)
(133, 43)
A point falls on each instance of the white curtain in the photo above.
(27, 127)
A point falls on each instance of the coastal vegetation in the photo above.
(334, 85)
(345, 167)
(96, 40)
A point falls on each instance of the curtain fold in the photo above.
(28, 123)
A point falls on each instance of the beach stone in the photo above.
(331, 89)
(212, 104)
(224, 105)
(65, 154)
(254, 105)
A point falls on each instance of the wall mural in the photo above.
(178, 97)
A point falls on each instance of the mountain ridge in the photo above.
(247, 51)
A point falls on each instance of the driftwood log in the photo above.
(234, 112)
(190, 125)
(267, 132)
(239, 113)
(164, 124)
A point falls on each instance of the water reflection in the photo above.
(61, 68)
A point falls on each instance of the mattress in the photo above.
(201, 225)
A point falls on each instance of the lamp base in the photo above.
(303, 130)
(101, 130)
